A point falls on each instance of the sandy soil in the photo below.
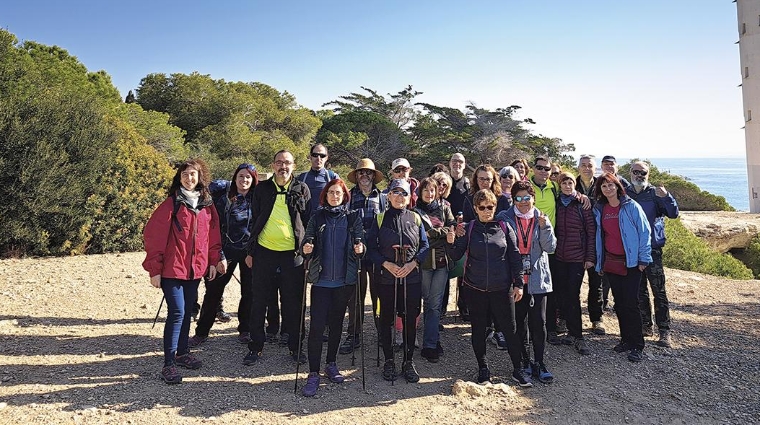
(76, 346)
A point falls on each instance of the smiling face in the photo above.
(567, 186)
(609, 190)
(429, 193)
(401, 172)
(507, 181)
(639, 174)
(189, 178)
(283, 167)
(541, 171)
(243, 181)
(554, 173)
(456, 165)
(587, 168)
(609, 167)
(484, 179)
(523, 201)
(520, 167)
(399, 199)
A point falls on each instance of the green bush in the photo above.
(750, 256)
(685, 251)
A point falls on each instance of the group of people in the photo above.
(518, 243)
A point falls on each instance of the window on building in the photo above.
(749, 115)
(746, 72)
(744, 28)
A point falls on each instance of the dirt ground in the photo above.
(76, 346)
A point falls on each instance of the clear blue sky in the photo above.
(645, 78)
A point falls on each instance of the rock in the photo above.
(3, 405)
(461, 388)
(722, 230)
(130, 276)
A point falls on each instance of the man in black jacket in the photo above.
(280, 208)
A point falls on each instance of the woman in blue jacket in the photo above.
(333, 240)
(623, 251)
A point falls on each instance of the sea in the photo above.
(726, 177)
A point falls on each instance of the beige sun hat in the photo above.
(365, 164)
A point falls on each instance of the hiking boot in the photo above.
(251, 358)
(636, 355)
(389, 370)
(284, 337)
(333, 374)
(543, 373)
(553, 339)
(597, 328)
(568, 340)
(170, 375)
(223, 316)
(647, 331)
(312, 384)
(188, 361)
(622, 347)
(196, 340)
(664, 340)
(349, 344)
(522, 379)
(244, 338)
(484, 375)
(271, 338)
(501, 342)
(410, 372)
(439, 349)
(430, 354)
(561, 326)
(582, 347)
(298, 357)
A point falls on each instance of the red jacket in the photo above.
(184, 254)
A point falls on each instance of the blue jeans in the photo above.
(433, 286)
(180, 295)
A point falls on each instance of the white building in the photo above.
(748, 13)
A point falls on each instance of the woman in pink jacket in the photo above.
(182, 244)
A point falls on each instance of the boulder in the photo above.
(722, 230)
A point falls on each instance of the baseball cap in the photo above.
(399, 184)
(609, 158)
(400, 162)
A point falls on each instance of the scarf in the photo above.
(191, 196)
(567, 199)
(528, 215)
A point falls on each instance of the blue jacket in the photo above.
(655, 208)
(544, 243)
(634, 229)
(333, 258)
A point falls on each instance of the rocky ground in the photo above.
(76, 346)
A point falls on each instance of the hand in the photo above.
(156, 281)
(211, 273)
(221, 267)
(642, 268)
(391, 267)
(450, 235)
(359, 248)
(408, 268)
(307, 248)
(517, 293)
(660, 191)
(249, 261)
(588, 264)
(460, 230)
(585, 202)
(541, 220)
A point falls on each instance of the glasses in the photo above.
(484, 179)
(335, 192)
(524, 198)
(507, 176)
(318, 155)
(542, 168)
(485, 207)
(398, 192)
(281, 163)
(641, 173)
(365, 172)
(399, 170)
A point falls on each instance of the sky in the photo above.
(645, 78)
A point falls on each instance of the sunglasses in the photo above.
(398, 170)
(399, 193)
(507, 176)
(365, 173)
(556, 173)
(486, 207)
(525, 198)
(246, 166)
(542, 168)
(641, 173)
(318, 155)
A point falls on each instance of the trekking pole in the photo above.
(303, 317)
(360, 315)
(158, 312)
(356, 314)
(405, 331)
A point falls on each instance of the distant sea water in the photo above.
(726, 177)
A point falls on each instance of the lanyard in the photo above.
(525, 232)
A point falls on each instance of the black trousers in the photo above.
(500, 306)
(532, 309)
(215, 291)
(266, 263)
(625, 289)
(367, 278)
(567, 281)
(595, 297)
(655, 274)
(327, 308)
(408, 312)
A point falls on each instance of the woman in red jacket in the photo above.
(182, 243)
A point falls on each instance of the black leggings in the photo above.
(536, 317)
(328, 306)
(388, 316)
(500, 307)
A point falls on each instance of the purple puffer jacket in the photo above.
(575, 231)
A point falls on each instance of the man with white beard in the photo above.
(657, 203)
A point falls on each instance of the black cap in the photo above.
(609, 158)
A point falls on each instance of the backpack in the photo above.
(330, 175)
(381, 215)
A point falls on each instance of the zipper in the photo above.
(485, 238)
(192, 249)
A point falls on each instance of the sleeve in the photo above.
(424, 245)
(644, 233)
(667, 206)
(459, 247)
(310, 233)
(515, 259)
(306, 213)
(448, 217)
(156, 236)
(215, 238)
(468, 213)
(588, 217)
(357, 232)
(255, 213)
(546, 238)
(373, 245)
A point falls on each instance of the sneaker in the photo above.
(170, 376)
(188, 361)
(410, 372)
(605, 306)
(543, 373)
(312, 384)
(522, 379)
(271, 338)
(647, 331)
(244, 338)
(284, 337)
(622, 347)
(597, 328)
(430, 354)
(484, 375)
(196, 340)
(300, 357)
(439, 349)
(561, 326)
(527, 367)
(333, 374)
(568, 340)
(251, 358)
(389, 370)
(223, 316)
(553, 339)
(501, 342)
(664, 340)
(582, 347)
(491, 336)
(349, 344)
(636, 355)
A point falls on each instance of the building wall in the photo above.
(748, 19)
